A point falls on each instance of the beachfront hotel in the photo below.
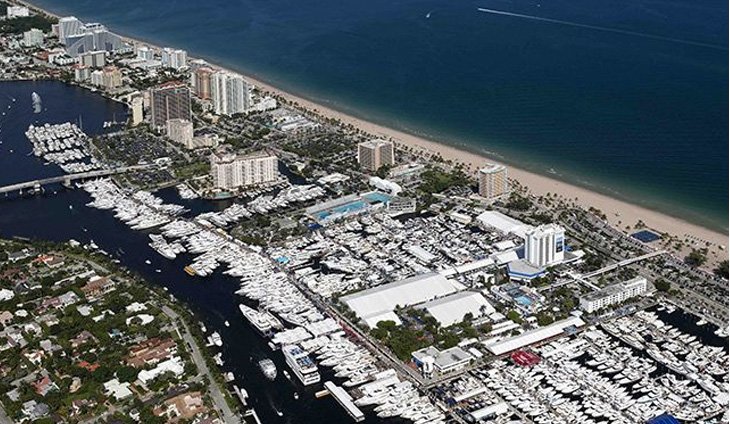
(80, 38)
(373, 154)
(231, 171)
(230, 93)
(493, 181)
(545, 245)
(169, 101)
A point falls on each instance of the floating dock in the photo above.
(345, 400)
(252, 413)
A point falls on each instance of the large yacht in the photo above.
(262, 321)
(302, 365)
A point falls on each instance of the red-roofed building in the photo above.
(151, 351)
(44, 385)
(87, 366)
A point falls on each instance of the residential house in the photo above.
(98, 287)
(183, 406)
(81, 338)
(151, 351)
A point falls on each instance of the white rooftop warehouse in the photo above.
(451, 309)
(376, 302)
(534, 336)
(503, 223)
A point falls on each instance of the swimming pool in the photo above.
(354, 206)
(342, 210)
(523, 300)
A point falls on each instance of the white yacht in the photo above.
(299, 361)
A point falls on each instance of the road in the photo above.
(215, 392)
(72, 177)
(4, 419)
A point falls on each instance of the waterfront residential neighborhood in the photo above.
(85, 341)
(257, 260)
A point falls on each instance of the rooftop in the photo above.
(411, 291)
(614, 289)
(451, 309)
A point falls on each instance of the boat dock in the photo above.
(252, 413)
(345, 400)
(242, 395)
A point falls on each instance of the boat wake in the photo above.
(605, 29)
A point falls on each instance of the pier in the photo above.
(345, 400)
(68, 178)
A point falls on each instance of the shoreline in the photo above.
(619, 213)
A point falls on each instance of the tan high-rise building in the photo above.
(137, 110)
(111, 77)
(230, 171)
(373, 154)
(169, 101)
(202, 82)
(493, 181)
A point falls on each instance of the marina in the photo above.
(625, 371)
(64, 145)
(308, 338)
(309, 330)
(265, 302)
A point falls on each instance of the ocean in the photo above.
(624, 97)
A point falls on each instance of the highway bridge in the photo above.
(68, 178)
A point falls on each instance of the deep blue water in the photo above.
(642, 119)
(61, 103)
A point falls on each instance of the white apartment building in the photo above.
(174, 58)
(145, 53)
(97, 78)
(33, 38)
(95, 59)
(230, 171)
(373, 154)
(230, 93)
(180, 131)
(613, 294)
(17, 12)
(545, 245)
(493, 181)
(81, 73)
